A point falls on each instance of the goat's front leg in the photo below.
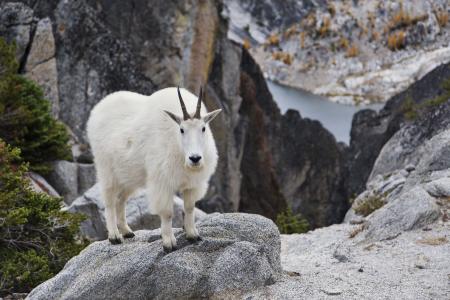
(162, 204)
(190, 197)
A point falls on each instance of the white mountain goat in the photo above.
(141, 141)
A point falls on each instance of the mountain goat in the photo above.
(143, 141)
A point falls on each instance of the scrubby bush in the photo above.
(289, 223)
(25, 120)
(36, 237)
(370, 204)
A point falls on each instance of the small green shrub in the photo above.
(25, 120)
(369, 205)
(445, 85)
(289, 223)
(36, 237)
(411, 109)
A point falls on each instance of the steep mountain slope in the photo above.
(349, 51)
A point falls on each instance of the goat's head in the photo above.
(194, 136)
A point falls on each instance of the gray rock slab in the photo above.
(238, 253)
(413, 209)
(439, 187)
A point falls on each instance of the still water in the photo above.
(337, 118)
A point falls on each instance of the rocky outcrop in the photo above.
(40, 63)
(372, 130)
(138, 213)
(399, 247)
(238, 253)
(16, 25)
(350, 52)
(39, 184)
(71, 179)
(409, 177)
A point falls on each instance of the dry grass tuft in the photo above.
(356, 231)
(370, 204)
(403, 19)
(331, 9)
(442, 17)
(282, 56)
(302, 39)
(324, 27)
(246, 44)
(353, 51)
(375, 35)
(290, 31)
(396, 40)
(343, 43)
(273, 40)
(433, 241)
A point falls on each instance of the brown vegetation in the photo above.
(353, 51)
(246, 44)
(310, 21)
(273, 40)
(324, 27)
(403, 19)
(357, 230)
(343, 43)
(367, 206)
(290, 31)
(331, 9)
(433, 241)
(302, 39)
(375, 35)
(442, 17)
(396, 40)
(282, 56)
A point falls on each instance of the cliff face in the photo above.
(292, 158)
(371, 130)
(349, 51)
(267, 161)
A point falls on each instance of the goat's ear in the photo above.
(210, 116)
(173, 117)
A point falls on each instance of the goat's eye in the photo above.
(203, 129)
(181, 130)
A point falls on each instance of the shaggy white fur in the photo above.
(140, 141)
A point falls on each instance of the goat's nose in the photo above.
(195, 158)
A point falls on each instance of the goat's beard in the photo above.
(192, 167)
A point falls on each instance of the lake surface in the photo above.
(337, 118)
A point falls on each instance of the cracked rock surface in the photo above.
(238, 253)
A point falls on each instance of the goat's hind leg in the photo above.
(122, 224)
(110, 198)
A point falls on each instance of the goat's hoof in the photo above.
(194, 238)
(169, 249)
(115, 241)
(129, 235)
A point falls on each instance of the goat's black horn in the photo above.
(199, 104)
(183, 107)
